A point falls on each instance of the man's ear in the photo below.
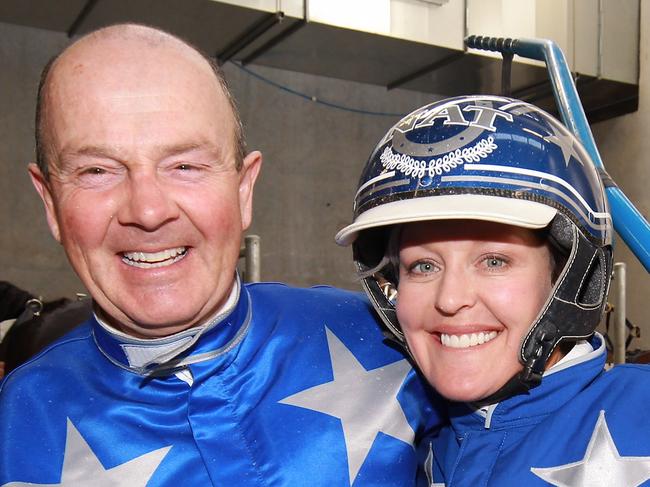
(42, 186)
(247, 177)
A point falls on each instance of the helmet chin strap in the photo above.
(521, 383)
(531, 375)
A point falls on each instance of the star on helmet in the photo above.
(564, 141)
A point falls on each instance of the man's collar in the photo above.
(141, 354)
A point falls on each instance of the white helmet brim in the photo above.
(517, 212)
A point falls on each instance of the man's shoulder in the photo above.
(318, 311)
(315, 298)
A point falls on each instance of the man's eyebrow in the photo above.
(94, 151)
(177, 149)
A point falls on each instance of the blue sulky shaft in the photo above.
(630, 224)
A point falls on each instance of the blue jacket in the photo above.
(293, 387)
(580, 427)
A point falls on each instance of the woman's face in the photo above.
(468, 292)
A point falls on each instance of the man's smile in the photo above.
(150, 260)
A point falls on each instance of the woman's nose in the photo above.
(455, 291)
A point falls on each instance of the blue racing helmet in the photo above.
(496, 159)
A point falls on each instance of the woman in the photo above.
(483, 237)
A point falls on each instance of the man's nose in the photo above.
(147, 204)
(456, 290)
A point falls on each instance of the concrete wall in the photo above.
(624, 145)
(313, 156)
(30, 258)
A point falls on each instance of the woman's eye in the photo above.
(423, 268)
(495, 262)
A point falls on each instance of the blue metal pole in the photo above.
(628, 221)
(630, 224)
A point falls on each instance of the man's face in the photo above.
(143, 193)
(468, 292)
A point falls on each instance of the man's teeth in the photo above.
(468, 340)
(149, 260)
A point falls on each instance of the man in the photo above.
(184, 376)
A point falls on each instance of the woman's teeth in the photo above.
(149, 260)
(468, 340)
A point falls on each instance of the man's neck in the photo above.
(223, 310)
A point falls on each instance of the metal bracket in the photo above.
(249, 36)
(85, 11)
(426, 69)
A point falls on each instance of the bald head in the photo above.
(131, 42)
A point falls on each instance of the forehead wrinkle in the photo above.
(137, 37)
(118, 153)
(76, 64)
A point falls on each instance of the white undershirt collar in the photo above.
(142, 352)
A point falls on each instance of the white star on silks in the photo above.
(601, 465)
(565, 142)
(82, 467)
(364, 400)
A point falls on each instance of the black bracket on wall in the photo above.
(271, 43)
(425, 70)
(85, 11)
(249, 36)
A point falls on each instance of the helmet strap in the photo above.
(521, 383)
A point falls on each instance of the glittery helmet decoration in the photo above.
(496, 159)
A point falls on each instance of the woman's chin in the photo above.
(468, 392)
(469, 382)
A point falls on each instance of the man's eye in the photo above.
(94, 171)
(186, 167)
